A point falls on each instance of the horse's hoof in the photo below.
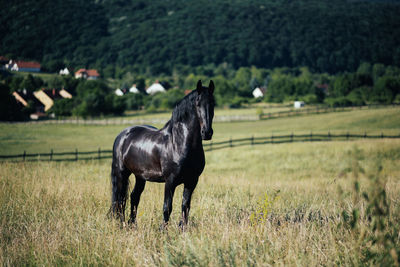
(164, 226)
(182, 225)
(132, 223)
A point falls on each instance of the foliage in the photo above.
(63, 107)
(163, 101)
(9, 109)
(95, 98)
(135, 101)
(155, 37)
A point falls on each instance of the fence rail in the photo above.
(319, 110)
(209, 146)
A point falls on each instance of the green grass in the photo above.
(46, 77)
(40, 138)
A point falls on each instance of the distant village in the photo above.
(44, 99)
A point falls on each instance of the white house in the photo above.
(134, 89)
(27, 66)
(91, 74)
(298, 104)
(155, 88)
(258, 92)
(119, 92)
(64, 71)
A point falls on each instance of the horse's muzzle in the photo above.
(207, 135)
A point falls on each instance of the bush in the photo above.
(237, 102)
(164, 101)
(310, 99)
(9, 108)
(63, 107)
(338, 101)
(134, 101)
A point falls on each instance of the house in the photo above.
(24, 98)
(26, 66)
(119, 92)
(64, 71)
(87, 74)
(155, 88)
(47, 97)
(42, 100)
(65, 94)
(298, 104)
(259, 92)
(134, 89)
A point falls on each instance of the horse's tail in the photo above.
(119, 186)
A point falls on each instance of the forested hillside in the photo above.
(155, 36)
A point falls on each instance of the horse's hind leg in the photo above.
(120, 182)
(135, 197)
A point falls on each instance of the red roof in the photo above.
(93, 73)
(28, 64)
(90, 73)
(80, 71)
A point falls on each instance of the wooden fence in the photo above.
(209, 146)
(318, 110)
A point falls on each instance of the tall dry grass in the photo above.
(254, 206)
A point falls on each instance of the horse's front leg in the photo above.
(186, 199)
(168, 197)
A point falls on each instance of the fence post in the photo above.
(230, 141)
(24, 155)
(252, 140)
(272, 138)
(76, 154)
(51, 155)
(99, 154)
(347, 136)
(382, 135)
(311, 136)
(291, 137)
(365, 134)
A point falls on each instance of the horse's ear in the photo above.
(211, 86)
(199, 85)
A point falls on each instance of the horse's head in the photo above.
(205, 109)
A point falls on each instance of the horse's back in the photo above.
(136, 149)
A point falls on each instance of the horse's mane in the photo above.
(184, 108)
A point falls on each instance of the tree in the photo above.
(9, 108)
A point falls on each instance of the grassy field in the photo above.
(307, 204)
(39, 138)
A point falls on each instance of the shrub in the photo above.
(63, 107)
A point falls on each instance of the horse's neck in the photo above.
(185, 135)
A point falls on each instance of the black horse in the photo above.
(172, 155)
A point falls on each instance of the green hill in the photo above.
(326, 36)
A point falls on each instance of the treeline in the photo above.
(369, 84)
(156, 36)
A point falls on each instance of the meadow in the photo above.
(307, 204)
